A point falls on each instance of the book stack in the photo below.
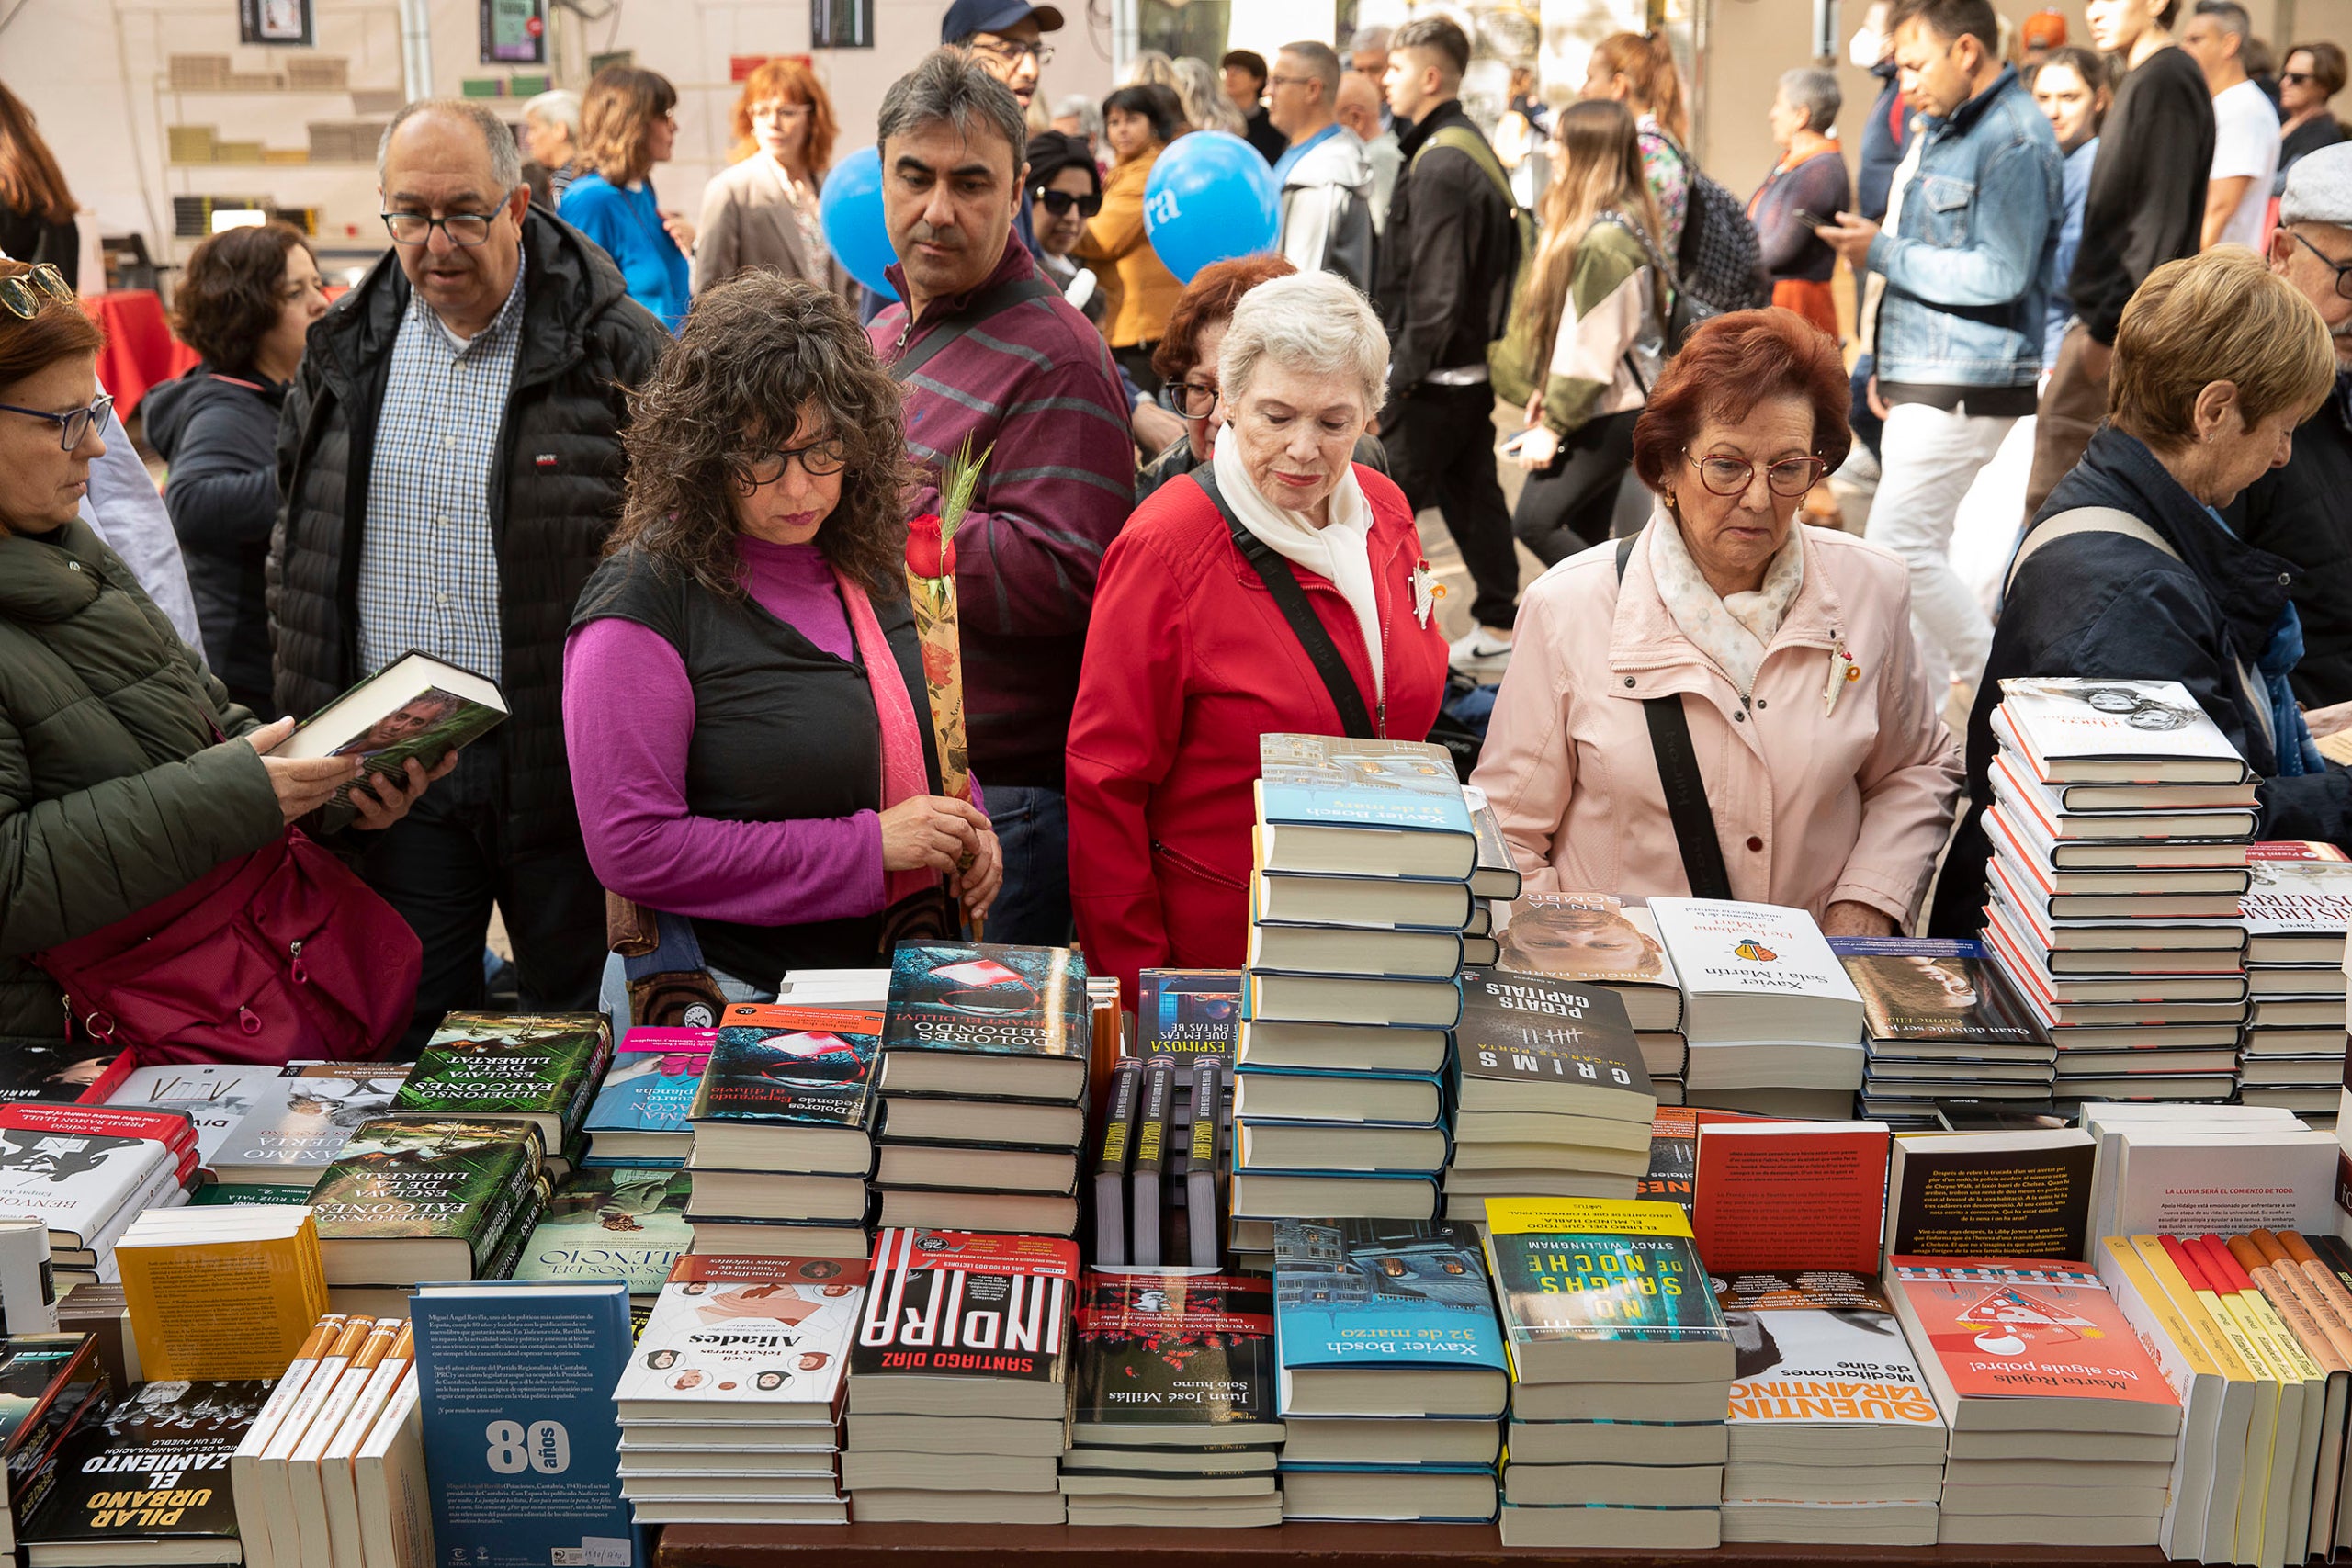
(1175, 1412)
(960, 1387)
(613, 1222)
(1550, 1094)
(1834, 1437)
(639, 1115)
(1191, 1018)
(1364, 853)
(1492, 887)
(2046, 1392)
(540, 1068)
(1943, 1030)
(1774, 1025)
(2296, 905)
(418, 1198)
(783, 1137)
(226, 1291)
(215, 1096)
(2119, 826)
(317, 1472)
(148, 1448)
(985, 1048)
(299, 1123)
(1611, 944)
(2158, 1169)
(88, 1171)
(730, 1409)
(1414, 1289)
(1622, 1369)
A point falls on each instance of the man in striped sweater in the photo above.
(990, 353)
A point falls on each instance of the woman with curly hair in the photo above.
(743, 698)
(628, 124)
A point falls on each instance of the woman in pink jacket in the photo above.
(1787, 650)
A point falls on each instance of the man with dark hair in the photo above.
(2146, 207)
(2245, 126)
(1245, 84)
(1954, 310)
(991, 354)
(1444, 278)
(1004, 37)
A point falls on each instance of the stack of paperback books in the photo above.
(639, 1115)
(418, 1198)
(1364, 853)
(299, 1123)
(1945, 1030)
(88, 1172)
(542, 1068)
(1415, 1290)
(960, 1387)
(1175, 1420)
(2115, 802)
(2297, 899)
(1611, 944)
(730, 1409)
(782, 1131)
(2046, 1390)
(1622, 1367)
(1550, 1097)
(983, 1083)
(1774, 1025)
(1834, 1437)
(331, 1461)
(221, 1291)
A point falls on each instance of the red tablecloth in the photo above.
(140, 351)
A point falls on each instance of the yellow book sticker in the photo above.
(1584, 1216)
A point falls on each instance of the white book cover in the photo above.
(763, 1332)
(76, 1183)
(2289, 893)
(1821, 1348)
(300, 1122)
(2177, 1180)
(1757, 963)
(216, 1096)
(2064, 721)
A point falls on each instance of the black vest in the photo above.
(783, 731)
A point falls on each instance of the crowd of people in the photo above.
(653, 478)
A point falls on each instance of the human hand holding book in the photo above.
(306, 783)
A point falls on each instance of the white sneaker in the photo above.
(1479, 652)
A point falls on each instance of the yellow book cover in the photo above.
(222, 1304)
(1586, 1216)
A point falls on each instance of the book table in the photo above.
(1284, 1546)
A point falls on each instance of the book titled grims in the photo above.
(966, 1323)
(987, 1019)
(416, 706)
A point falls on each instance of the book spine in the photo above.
(1111, 1164)
(1200, 1178)
(1146, 1183)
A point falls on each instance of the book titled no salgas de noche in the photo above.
(1607, 1290)
(987, 1019)
(543, 1067)
(423, 1198)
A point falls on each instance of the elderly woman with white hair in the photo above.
(552, 144)
(1212, 607)
(1807, 186)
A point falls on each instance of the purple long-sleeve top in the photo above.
(628, 714)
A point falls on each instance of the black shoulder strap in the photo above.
(1282, 583)
(947, 329)
(1677, 772)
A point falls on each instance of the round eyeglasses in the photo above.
(24, 293)
(1788, 478)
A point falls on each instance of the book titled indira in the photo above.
(964, 1323)
(987, 1019)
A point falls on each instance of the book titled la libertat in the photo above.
(542, 1067)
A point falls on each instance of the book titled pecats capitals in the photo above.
(415, 707)
(966, 1323)
(1413, 1288)
(521, 1438)
(540, 1068)
(148, 1482)
(1530, 1042)
(987, 1019)
(1175, 1359)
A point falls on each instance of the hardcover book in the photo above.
(542, 1067)
(1598, 1289)
(1332, 805)
(966, 1323)
(642, 1106)
(986, 1018)
(2297, 903)
(2109, 731)
(1532, 1042)
(299, 1123)
(1415, 1290)
(76, 1183)
(780, 1063)
(1921, 989)
(149, 1480)
(754, 1340)
(215, 1096)
(416, 706)
(612, 1223)
(1756, 972)
(422, 1198)
(1168, 1360)
(1595, 940)
(1497, 874)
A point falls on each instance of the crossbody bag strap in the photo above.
(2085, 520)
(947, 329)
(1677, 772)
(1291, 599)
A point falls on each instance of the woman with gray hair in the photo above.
(551, 144)
(1807, 186)
(1205, 106)
(1220, 609)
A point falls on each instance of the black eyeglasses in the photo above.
(1057, 203)
(23, 293)
(464, 229)
(73, 425)
(1194, 400)
(818, 459)
(2341, 269)
(1731, 475)
(1013, 49)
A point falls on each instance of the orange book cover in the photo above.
(2005, 1327)
(1789, 1195)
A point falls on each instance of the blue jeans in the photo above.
(1033, 825)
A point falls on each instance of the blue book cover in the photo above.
(1375, 1294)
(521, 1437)
(650, 1091)
(1330, 780)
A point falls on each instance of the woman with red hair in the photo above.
(1783, 653)
(761, 213)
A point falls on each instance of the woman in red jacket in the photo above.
(1190, 658)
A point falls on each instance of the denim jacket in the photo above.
(1967, 268)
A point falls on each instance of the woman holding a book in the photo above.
(743, 694)
(1760, 674)
(1190, 659)
(2129, 570)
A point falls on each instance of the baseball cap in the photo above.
(2044, 29)
(968, 17)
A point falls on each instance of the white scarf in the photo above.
(1340, 551)
(1733, 631)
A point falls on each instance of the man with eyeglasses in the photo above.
(1004, 37)
(449, 461)
(2304, 511)
(1324, 181)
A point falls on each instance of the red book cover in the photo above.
(2007, 1327)
(1789, 1195)
(964, 1303)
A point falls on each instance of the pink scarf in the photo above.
(904, 775)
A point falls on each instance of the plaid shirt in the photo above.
(428, 570)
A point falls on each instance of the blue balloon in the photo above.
(1210, 198)
(849, 206)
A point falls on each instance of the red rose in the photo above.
(925, 556)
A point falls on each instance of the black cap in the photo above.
(966, 17)
(1051, 152)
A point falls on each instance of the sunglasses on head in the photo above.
(1057, 203)
(23, 293)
